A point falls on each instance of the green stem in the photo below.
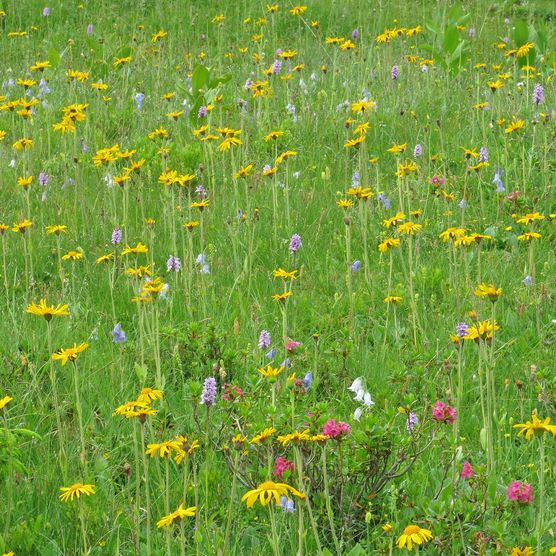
(329, 510)
(147, 491)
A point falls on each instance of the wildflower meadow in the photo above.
(277, 278)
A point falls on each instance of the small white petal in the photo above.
(367, 400)
(357, 413)
(356, 385)
(360, 395)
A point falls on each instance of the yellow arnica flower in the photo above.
(139, 248)
(270, 371)
(528, 236)
(268, 491)
(392, 299)
(409, 228)
(396, 149)
(148, 395)
(192, 224)
(75, 491)
(72, 256)
(488, 290)
(243, 171)
(282, 296)
(303, 436)
(452, 233)
(186, 448)
(20, 227)
(535, 427)
(281, 273)
(530, 217)
(525, 551)
(482, 330)
(515, 125)
(164, 449)
(273, 135)
(394, 220)
(200, 204)
(155, 286)
(105, 258)
(262, 436)
(413, 534)
(57, 229)
(41, 309)
(69, 354)
(178, 515)
(344, 203)
(25, 182)
(4, 402)
(387, 244)
(363, 105)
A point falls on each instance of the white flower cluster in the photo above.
(361, 396)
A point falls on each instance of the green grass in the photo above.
(209, 324)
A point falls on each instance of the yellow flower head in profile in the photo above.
(413, 534)
(192, 224)
(200, 204)
(178, 515)
(270, 371)
(392, 299)
(488, 290)
(282, 296)
(147, 395)
(69, 354)
(21, 227)
(262, 436)
(72, 256)
(281, 273)
(515, 125)
(525, 551)
(105, 258)
(530, 217)
(303, 436)
(483, 330)
(4, 402)
(452, 234)
(397, 149)
(365, 105)
(186, 448)
(139, 248)
(409, 228)
(75, 491)
(268, 491)
(388, 243)
(273, 135)
(42, 309)
(164, 449)
(244, 171)
(56, 229)
(155, 286)
(535, 427)
(394, 220)
(529, 236)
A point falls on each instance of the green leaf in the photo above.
(451, 39)
(123, 52)
(483, 438)
(521, 32)
(53, 57)
(141, 372)
(200, 78)
(219, 81)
